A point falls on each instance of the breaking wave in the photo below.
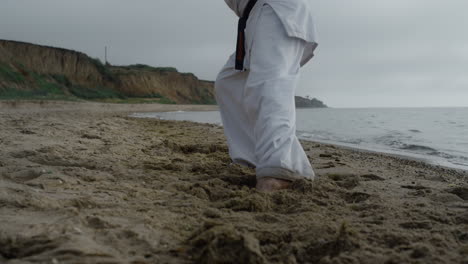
(413, 147)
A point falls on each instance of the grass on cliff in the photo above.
(104, 70)
(22, 84)
(94, 93)
(45, 88)
(205, 98)
(55, 86)
(47, 92)
(150, 68)
(10, 75)
(61, 79)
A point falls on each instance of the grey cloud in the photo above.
(371, 53)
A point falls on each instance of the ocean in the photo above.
(436, 135)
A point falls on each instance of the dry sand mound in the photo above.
(99, 187)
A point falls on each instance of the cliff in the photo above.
(167, 82)
(34, 72)
(28, 70)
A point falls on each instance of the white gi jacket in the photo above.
(257, 105)
(295, 15)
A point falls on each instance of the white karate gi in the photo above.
(257, 105)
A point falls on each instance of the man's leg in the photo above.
(229, 89)
(269, 100)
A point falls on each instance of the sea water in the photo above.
(436, 135)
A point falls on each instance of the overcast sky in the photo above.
(387, 53)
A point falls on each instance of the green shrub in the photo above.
(102, 69)
(12, 93)
(61, 79)
(46, 85)
(94, 93)
(150, 68)
(165, 100)
(140, 66)
(47, 88)
(208, 101)
(188, 74)
(205, 101)
(206, 98)
(153, 95)
(166, 69)
(8, 74)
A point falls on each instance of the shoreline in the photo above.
(395, 153)
(86, 183)
(47, 105)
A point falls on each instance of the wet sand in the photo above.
(85, 183)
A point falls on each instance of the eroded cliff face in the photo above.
(76, 66)
(179, 87)
(28, 67)
(4, 55)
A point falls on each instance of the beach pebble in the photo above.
(77, 230)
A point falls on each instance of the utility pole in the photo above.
(105, 55)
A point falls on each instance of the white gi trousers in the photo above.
(257, 105)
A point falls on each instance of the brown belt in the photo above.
(240, 48)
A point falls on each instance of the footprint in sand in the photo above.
(26, 246)
(26, 175)
(461, 192)
(417, 225)
(371, 177)
(347, 181)
(445, 198)
(327, 165)
(224, 243)
(356, 197)
(90, 136)
(23, 154)
(98, 223)
(462, 219)
(415, 187)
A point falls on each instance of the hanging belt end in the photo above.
(239, 65)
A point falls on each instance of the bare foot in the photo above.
(272, 184)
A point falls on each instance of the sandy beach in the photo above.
(86, 183)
